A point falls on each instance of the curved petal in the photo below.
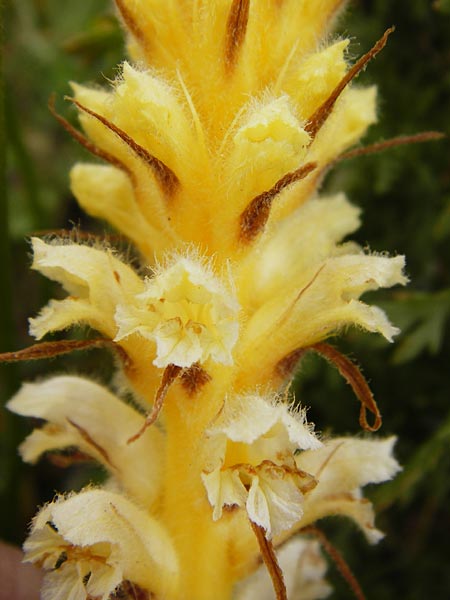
(95, 280)
(86, 415)
(342, 467)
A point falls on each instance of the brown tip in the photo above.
(352, 374)
(235, 31)
(270, 560)
(131, 23)
(170, 374)
(166, 178)
(254, 217)
(85, 142)
(316, 121)
(52, 349)
(402, 140)
(338, 560)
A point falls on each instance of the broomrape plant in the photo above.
(214, 140)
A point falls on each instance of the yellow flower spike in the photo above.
(216, 136)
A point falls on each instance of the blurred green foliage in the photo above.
(405, 196)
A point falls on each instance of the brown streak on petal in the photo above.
(255, 215)
(88, 439)
(131, 23)
(171, 372)
(86, 143)
(64, 460)
(166, 178)
(316, 121)
(338, 560)
(51, 349)
(194, 378)
(351, 373)
(281, 321)
(270, 559)
(235, 31)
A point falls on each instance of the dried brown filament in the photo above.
(316, 121)
(171, 372)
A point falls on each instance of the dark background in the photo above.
(405, 196)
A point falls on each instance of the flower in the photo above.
(187, 312)
(93, 556)
(257, 463)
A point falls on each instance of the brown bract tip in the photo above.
(270, 560)
(235, 31)
(338, 560)
(51, 349)
(316, 121)
(131, 23)
(401, 140)
(352, 374)
(165, 177)
(86, 143)
(255, 216)
(171, 372)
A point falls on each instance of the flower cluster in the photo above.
(214, 141)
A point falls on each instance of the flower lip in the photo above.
(187, 311)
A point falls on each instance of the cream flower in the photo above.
(255, 439)
(82, 414)
(95, 279)
(90, 542)
(187, 311)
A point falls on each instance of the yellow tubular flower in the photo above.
(216, 137)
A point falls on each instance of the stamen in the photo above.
(351, 373)
(270, 560)
(316, 121)
(338, 560)
(86, 143)
(254, 217)
(235, 31)
(170, 374)
(166, 178)
(51, 349)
